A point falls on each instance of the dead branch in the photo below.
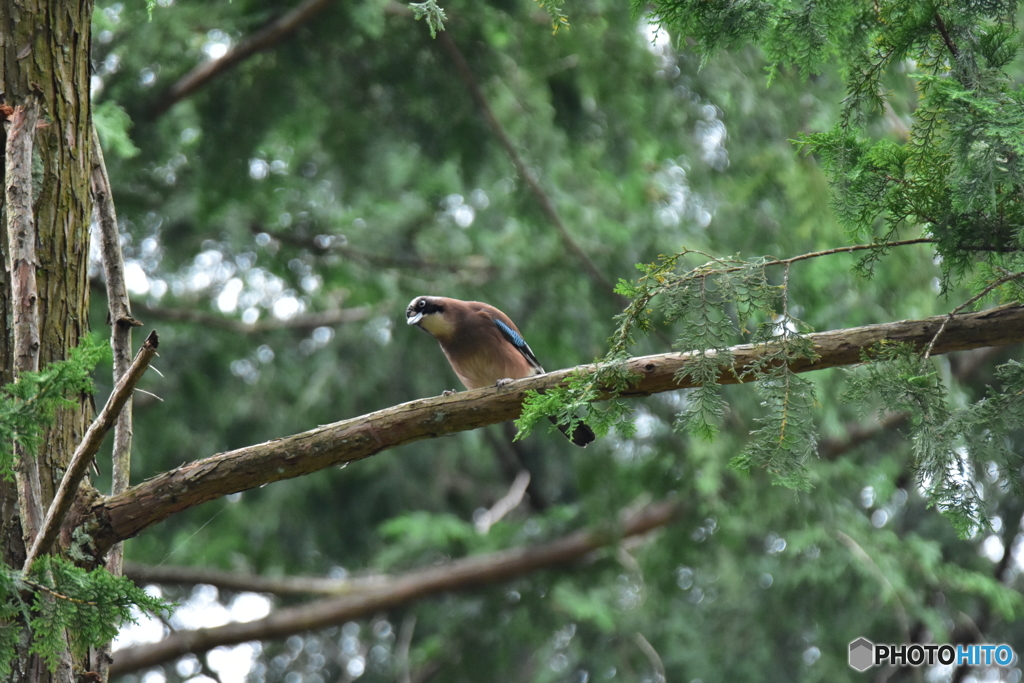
(504, 505)
(86, 451)
(119, 315)
(125, 515)
(460, 574)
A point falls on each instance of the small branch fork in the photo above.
(21, 235)
(87, 449)
(974, 299)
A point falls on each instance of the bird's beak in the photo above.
(414, 319)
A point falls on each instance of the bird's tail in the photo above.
(582, 436)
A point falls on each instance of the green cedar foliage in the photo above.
(28, 405)
(58, 600)
(57, 597)
(956, 178)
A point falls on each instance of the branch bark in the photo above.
(460, 574)
(119, 316)
(87, 449)
(123, 516)
(268, 36)
(254, 583)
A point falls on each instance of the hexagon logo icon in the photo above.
(862, 654)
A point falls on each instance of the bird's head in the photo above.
(429, 314)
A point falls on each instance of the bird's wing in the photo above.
(517, 341)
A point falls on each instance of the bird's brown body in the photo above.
(480, 355)
(482, 345)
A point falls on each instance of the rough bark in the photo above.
(44, 55)
(22, 265)
(119, 517)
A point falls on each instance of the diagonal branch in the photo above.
(940, 26)
(87, 449)
(166, 575)
(268, 36)
(328, 244)
(123, 516)
(469, 572)
(547, 206)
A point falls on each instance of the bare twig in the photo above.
(873, 568)
(21, 237)
(268, 36)
(307, 321)
(974, 299)
(505, 504)
(119, 315)
(846, 250)
(652, 655)
(86, 451)
(403, 645)
(329, 244)
(547, 206)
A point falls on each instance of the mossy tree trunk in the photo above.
(44, 54)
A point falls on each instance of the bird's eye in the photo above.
(421, 304)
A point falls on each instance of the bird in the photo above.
(483, 346)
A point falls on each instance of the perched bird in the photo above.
(483, 346)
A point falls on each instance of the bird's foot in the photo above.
(503, 382)
(448, 392)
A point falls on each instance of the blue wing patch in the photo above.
(517, 341)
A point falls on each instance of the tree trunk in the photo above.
(44, 53)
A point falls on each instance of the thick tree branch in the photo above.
(268, 36)
(460, 574)
(547, 206)
(22, 265)
(123, 516)
(87, 449)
